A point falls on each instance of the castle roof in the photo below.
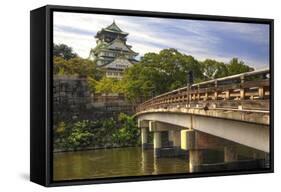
(120, 62)
(123, 45)
(116, 44)
(113, 28)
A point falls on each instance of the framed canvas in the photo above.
(122, 95)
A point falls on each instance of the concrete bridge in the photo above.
(235, 108)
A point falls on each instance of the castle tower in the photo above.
(111, 52)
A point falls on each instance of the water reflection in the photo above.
(136, 161)
(195, 159)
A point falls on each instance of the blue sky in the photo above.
(201, 39)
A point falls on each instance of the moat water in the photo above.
(134, 161)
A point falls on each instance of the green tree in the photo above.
(159, 73)
(119, 131)
(108, 85)
(77, 66)
(128, 133)
(235, 67)
(214, 69)
(59, 66)
(79, 134)
(64, 51)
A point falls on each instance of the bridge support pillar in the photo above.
(144, 126)
(177, 139)
(177, 142)
(157, 143)
(144, 137)
(230, 154)
(195, 159)
(170, 137)
(267, 160)
(187, 139)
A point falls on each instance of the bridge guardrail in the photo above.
(241, 88)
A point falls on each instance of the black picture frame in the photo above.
(41, 41)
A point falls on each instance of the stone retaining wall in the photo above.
(73, 100)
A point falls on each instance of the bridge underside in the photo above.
(246, 133)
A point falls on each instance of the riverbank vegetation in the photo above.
(87, 134)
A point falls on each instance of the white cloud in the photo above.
(154, 34)
(75, 41)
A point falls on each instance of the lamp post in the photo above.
(189, 78)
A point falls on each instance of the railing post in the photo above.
(206, 96)
(242, 93)
(216, 93)
(242, 90)
(261, 92)
(187, 94)
(227, 95)
(242, 79)
(198, 92)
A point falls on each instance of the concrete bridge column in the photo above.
(144, 137)
(157, 143)
(177, 142)
(144, 126)
(267, 160)
(170, 137)
(174, 138)
(177, 139)
(195, 159)
(187, 139)
(230, 154)
(188, 145)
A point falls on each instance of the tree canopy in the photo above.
(154, 74)
(159, 73)
(213, 69)
(108, 85)
(77, 66)
(235, 67)
(64, 51)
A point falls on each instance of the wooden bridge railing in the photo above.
(250, 86)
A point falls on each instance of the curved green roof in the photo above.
(114, 29)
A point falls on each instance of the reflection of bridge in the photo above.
(235, 108)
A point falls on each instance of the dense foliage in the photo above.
(64, 51)
(166, 71)
(154, 74)
(109, 85)
(235, 67)
(128, 131)
(96, 134)
(76, 66)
